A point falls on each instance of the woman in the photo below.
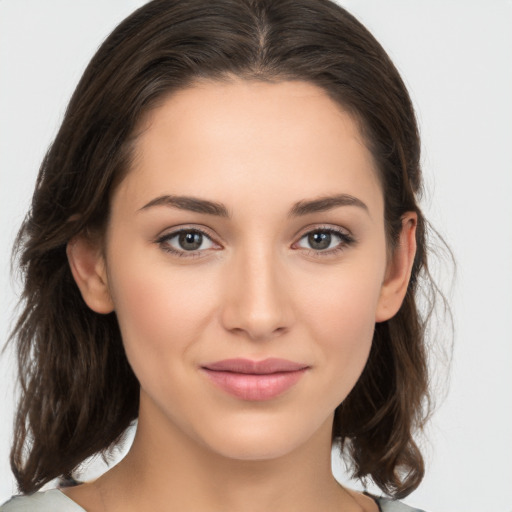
(225, 244)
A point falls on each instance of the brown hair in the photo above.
(78, 392)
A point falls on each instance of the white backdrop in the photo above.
(456, 58)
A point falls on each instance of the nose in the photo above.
(257, 302)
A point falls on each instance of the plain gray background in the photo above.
(456, 58)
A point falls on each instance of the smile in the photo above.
(255, 380)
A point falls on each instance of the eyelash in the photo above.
(346, 240)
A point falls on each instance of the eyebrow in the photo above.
(299, 209)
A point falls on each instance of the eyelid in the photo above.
(174, 230)
(324, 227)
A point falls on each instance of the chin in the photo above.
(259, 449)
(266, 440)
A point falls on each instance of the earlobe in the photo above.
(89, 271)
(398, 271)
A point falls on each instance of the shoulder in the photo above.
(48, 501)
(387, 505)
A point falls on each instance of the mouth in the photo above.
(255, 380)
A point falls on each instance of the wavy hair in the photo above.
(78, 392)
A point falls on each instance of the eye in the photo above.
(186, 242)
(191, 242)
(325, 241)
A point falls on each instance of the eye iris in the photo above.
(190, 241)
(319, 239)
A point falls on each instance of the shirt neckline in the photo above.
(78, 508)
(65, 497)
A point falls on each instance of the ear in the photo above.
(89, 271)
(398, 271)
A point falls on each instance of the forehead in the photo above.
(242, 139)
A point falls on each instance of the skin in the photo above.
(255, 288)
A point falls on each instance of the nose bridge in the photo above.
(257, 301)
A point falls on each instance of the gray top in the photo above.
(56, 501)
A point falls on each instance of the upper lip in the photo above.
(267, 366)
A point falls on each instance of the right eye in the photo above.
(186, 242)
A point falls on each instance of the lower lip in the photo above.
(255, 387)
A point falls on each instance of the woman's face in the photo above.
(250, 228)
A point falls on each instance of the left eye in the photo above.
(323, 239)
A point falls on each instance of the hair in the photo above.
(78, 392)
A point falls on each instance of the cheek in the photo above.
(341, 318)
(160, 312)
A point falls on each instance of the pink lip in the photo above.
(255, 380)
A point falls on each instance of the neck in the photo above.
(168, 470)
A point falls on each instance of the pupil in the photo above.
(190, 241)
(320, 240)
